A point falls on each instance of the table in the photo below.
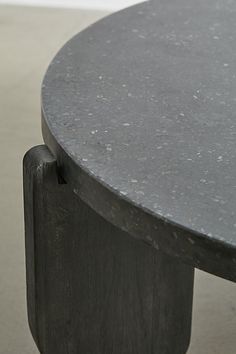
(136, 183)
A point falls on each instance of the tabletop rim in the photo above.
(66, 160)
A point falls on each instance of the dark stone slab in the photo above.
(140, 112)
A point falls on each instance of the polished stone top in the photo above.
(144, 102)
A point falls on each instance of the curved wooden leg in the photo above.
(91, 288)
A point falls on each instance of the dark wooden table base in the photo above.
(92, 288)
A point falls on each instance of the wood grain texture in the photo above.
(91, 288)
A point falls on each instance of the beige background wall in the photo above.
(85, 4)
(29, 37)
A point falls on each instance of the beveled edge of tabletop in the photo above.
(199, 250)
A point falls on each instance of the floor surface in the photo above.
(29, 37)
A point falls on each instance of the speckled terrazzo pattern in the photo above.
(145, 100)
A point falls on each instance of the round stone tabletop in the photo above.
(140, 111)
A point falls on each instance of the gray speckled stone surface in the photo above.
(145, 102)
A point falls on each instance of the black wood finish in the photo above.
(91, 287)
